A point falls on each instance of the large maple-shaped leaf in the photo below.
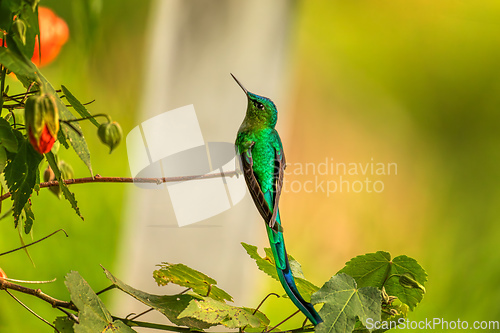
(344, 303)
(377, 270)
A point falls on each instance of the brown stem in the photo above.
(33, 243)
(4, 285)
(32, 312)
(100, 179)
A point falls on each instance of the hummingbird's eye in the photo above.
(260, 105)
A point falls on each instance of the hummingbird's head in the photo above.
(260, 109)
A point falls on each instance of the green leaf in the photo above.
(92, 314)
(185, 276)
(344, 302)
(75, 103)
(29, 218)
(3, 158)
(7, 9)
(215, 312)
(377, 270)
(267, 265)
(62, 139)
(76, 139)
(64, 325)
(7, 138)
(51, 158)
(30, 18)
(169, 305)
(20, 174)
(17, 63)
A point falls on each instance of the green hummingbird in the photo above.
(263, 162)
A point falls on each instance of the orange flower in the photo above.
(54, 34)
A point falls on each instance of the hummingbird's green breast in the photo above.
(267, 142)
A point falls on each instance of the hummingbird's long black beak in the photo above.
(239, 83)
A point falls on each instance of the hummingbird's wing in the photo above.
(256, 191)
(280, 165)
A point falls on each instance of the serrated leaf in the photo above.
(79, 107)
(64, 188)
(64, 325)
(7, 138)
(344, 303)
(17, 63)
(3, 159)
(29, 218)
(215, 312)
(62, 139)
(169, 305)
(267, 265)
(185, 276)
(77, 140)
(92, 314)
(377, 270)
(20, 174)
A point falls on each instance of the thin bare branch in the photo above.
(5, 285)
(41, 239)
(100, 179)
(31, 311)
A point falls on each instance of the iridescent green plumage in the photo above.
(263, 162)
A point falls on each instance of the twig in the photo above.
(133, 323)
(41, 239)
(37, 293)
(70, 315)
(70, 106)
(100, 179)
(141, 314)
(72, 127)
(284, 320)
(32, 312)
(262, 302)
(88, 117)
(111, 287)
(258, 307)
(30, 282)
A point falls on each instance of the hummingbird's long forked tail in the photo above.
(286, 278)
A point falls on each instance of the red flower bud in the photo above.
(44, 143)
(42, 122)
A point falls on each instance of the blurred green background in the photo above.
(414, 83)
